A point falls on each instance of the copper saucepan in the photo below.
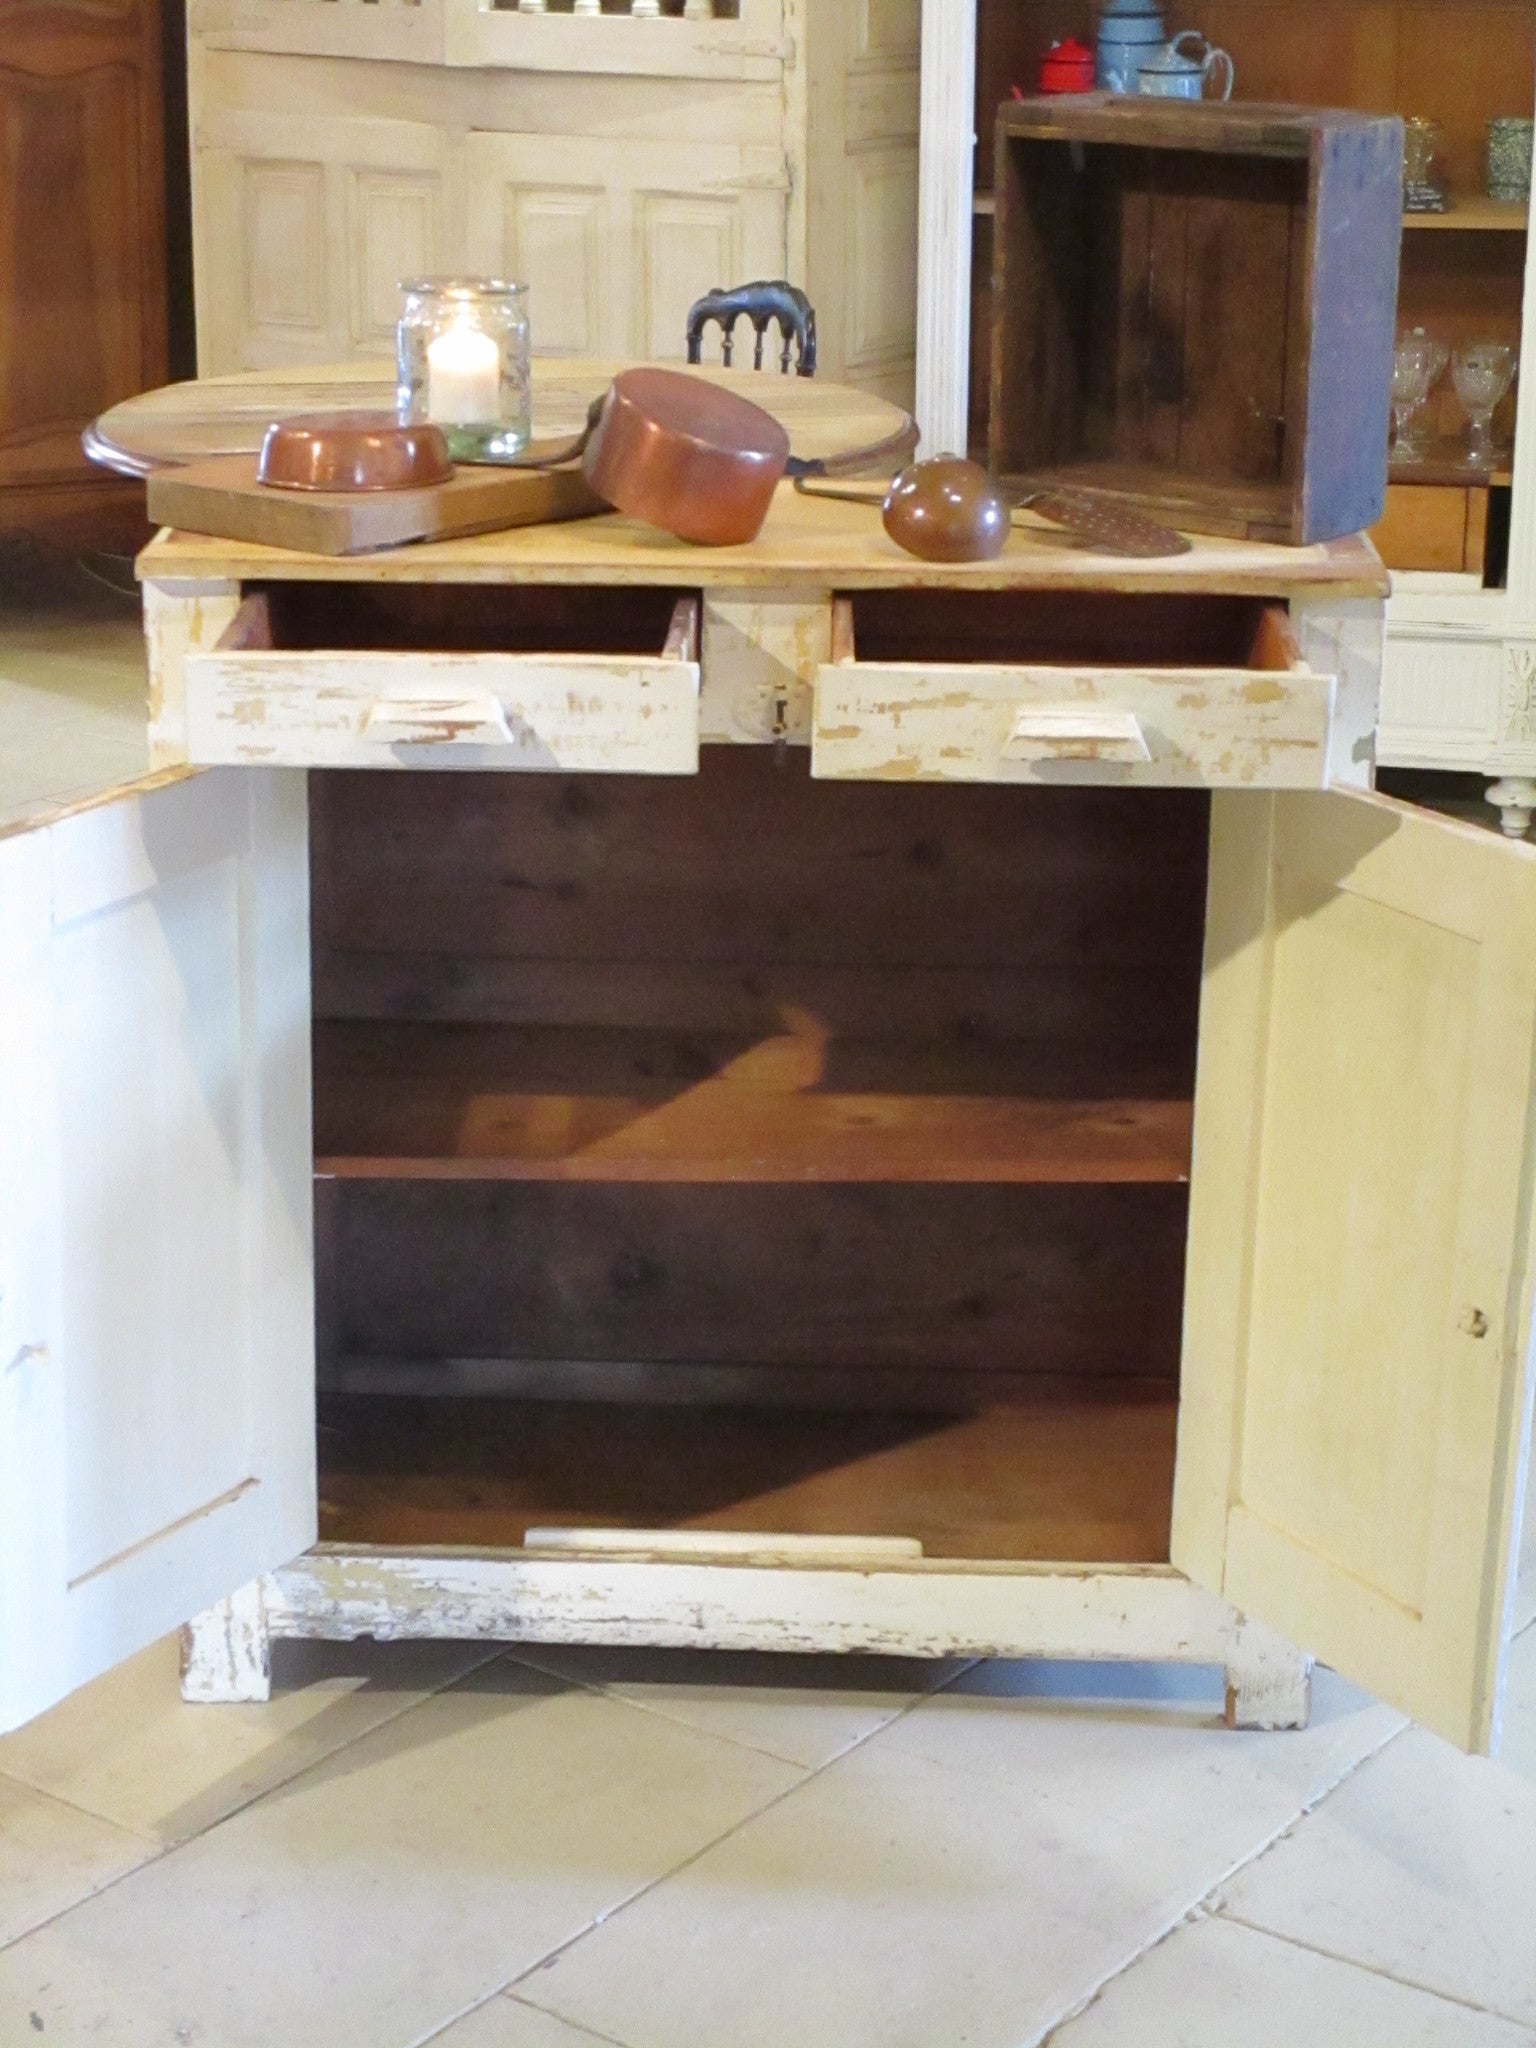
(697, 459)
(686, 455)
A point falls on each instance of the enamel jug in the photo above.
(1172, 74)
(1131, 32)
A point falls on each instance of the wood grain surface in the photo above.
(222, 496)
(229, 415)
(1087, 1480)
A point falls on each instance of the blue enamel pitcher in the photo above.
(1131, 33)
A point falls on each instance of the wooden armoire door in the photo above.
(82, 249)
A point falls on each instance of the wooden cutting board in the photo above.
(222, 497)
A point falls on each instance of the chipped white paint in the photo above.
(226, 1651)
(323, 708)
(1342, 638)
(912, 1607)
(1268, 1684)
(954, 722)
(179, 615)
(761, 656)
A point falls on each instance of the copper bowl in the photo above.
(352, 451)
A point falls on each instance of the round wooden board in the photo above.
(229, 415)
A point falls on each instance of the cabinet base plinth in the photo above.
(920, 1608)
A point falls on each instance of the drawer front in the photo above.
(621, 714)
(1214, 728)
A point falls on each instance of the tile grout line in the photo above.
(1373, 1969)
(1201, 1908)
(578, 2027)
(608, 1691)
(160, 1850)
(104, 1820)
(507, 1996)
(510, 1988)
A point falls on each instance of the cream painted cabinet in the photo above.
(1355, 1394)
(157, 1438)
(622, 167)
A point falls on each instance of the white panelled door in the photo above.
(1356, 1385)
(156, 1289)
(616, 239)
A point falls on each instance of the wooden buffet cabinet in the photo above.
(941, 1117)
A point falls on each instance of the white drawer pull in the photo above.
(1076, 732)
(440, 719)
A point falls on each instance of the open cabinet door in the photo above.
(1355, 1384)
(156, 1292)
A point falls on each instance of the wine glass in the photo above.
(1482, 372)
(1417, 361)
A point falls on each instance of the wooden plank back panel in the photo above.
(752, 870)
(920, 946)
(919, 1282)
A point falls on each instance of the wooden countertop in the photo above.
(807, 544)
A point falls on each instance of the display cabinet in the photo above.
(1460, 682)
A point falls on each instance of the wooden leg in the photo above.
(226, 1651)
(1515, 798)
(1269, 1685)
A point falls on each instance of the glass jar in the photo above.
(463, 362)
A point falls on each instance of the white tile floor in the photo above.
(72, 685)
(417, 1843)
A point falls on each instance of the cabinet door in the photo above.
(616, 239)
(1354, 1408)
(156, 1294)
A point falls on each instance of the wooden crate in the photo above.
(1195, 308)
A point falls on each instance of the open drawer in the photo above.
(442, 676)
(1057, 686)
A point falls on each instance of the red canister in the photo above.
(1067, 67)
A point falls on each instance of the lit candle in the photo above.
(463, 378)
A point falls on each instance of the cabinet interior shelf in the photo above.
(1445, 462)
(497, 1102)
(1475, 214)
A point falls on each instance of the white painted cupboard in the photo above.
(1352, 1385)
(621, 165)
